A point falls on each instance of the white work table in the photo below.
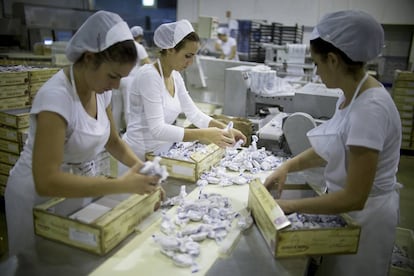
(139, 254)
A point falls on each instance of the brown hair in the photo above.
(193, 36)
(121, 52)
(322, 47)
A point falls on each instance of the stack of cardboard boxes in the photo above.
(403, 95)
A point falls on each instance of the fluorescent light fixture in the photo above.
(48, 41)
(148, 3)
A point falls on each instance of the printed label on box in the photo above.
(182, 170)
(82, 236)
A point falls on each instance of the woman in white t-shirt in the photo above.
(359, 146)
(70, 124)
(160, 95)
(226, 45)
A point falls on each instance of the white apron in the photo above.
(88, 138)
(379, 217)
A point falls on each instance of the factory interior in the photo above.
(271, 92)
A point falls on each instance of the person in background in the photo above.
(70, 123)
(120, 97)
(226, 45)
(138, 34)
(359, 145)
(160, 95)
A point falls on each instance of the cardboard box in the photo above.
(15, 102)
(3, 183)
(5, 170)
(14, 134)
(13, 78)
(8, 157)
(16, 118)
(286, 242)
(34, 88)
(404, 241)
(191, 169)
(72, 221)
(403, 75)
(10, 146)
(11, 91)
(41, 74)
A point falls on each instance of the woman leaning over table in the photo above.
(359, 145)
(70, 123)
(159, 95)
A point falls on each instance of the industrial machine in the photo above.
(289, 60)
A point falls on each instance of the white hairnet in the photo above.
(100, 31)
(223, 31)
(137, 31)
(168, 35)
(356, 33)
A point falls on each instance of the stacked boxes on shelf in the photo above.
(37, 77)
(252, 33)
(287, 34)
(14, 87)
(250, 36)
(18, 86)
(14, 124)
(403, 95)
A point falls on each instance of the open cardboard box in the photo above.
(286, 242)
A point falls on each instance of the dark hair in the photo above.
(121, 52)
(322, 47)
(193, 36)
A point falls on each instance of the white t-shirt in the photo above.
(227, 46)
(56, 95)
(153, 111)
(373, 122)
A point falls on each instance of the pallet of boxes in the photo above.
(14, 117)
(18, 86)
(403, 95)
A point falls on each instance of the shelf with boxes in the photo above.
(18, 86)
(403, 95)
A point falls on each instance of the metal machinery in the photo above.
(311, 104)
(40, 23)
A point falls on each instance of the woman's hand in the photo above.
(220, 137)
(163, 196)
(139, 183)
(277, 177)
(237, 134)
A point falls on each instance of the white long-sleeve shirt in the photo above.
(153, 111)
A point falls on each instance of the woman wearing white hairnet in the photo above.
(138, 34)
(160, 95)
(226, 45)
(70, 123)
(359, 145)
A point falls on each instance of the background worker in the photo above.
(226, 45)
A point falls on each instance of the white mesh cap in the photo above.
(100, 31)
(137, 31)
(167, 35)
(356, 33)
(223, 31)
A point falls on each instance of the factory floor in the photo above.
(405, 176)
